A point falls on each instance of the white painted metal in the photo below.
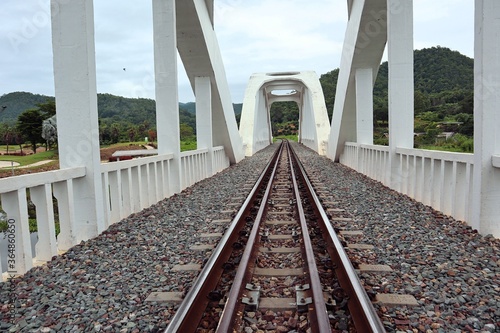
(486, 197)
(76, 103)
(63, 192)
(15, 205)
(204, 123)
(364, 105)
(436, 178)
(166, 88)
(401, 91)
(91, 196)
(200, 54)
(364, 44)
(46, 247)
(306, 91)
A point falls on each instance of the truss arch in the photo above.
(264, 89)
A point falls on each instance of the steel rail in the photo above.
(188, 315)
(319, 321)
(361, 308)
(228, 315)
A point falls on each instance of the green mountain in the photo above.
(191, 107)
(111, 108)
(441, 75)
(13, 104)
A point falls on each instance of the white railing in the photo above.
(194, 166)
(439, 179)
(132, 185)
(128, 187)
(220, 160)
(40, 187)
(370, 160)
(442, 180)
(200, 164)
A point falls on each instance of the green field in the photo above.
(30, 159)
(286, 137)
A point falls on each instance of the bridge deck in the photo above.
(102, 284)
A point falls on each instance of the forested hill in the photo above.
(437, 70)
(13, 104)
(111, 108)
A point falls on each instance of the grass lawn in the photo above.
(286, 137)
(30, 159)
(188, 145)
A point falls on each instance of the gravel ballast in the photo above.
(101, 285)
(452, 271)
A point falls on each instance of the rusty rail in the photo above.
(362, 311)
(188, 315)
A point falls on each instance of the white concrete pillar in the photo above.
(486, 192)
(76, 103)
(204, 136)
(401, 86)
(167, 97)
(364, 105)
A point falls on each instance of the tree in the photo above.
(7, 134)
(49, 130)
(115, 133)
(152, 135)
(132, 132)
(186, 132)
(29, 124)
(421, 102)
(48, 109)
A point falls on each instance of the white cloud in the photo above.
(277, 35)
(254, 36)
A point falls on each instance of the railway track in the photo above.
(279, 266)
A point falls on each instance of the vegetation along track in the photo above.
(279, 266)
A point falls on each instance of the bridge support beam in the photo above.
(486, 192)
(363, 49)
(264, 89)
(200, 54)
(204, 136)
(401, 85)
(166, 87)
(76, 103)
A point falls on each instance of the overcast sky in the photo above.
(254, 36)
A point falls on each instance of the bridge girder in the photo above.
(199, 50)
(304, 89)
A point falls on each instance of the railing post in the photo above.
(126, 192)
(46, 246)
(16, 206)
(106, 198)
(63, 191)
(116, 196)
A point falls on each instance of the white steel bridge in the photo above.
(91, 196)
